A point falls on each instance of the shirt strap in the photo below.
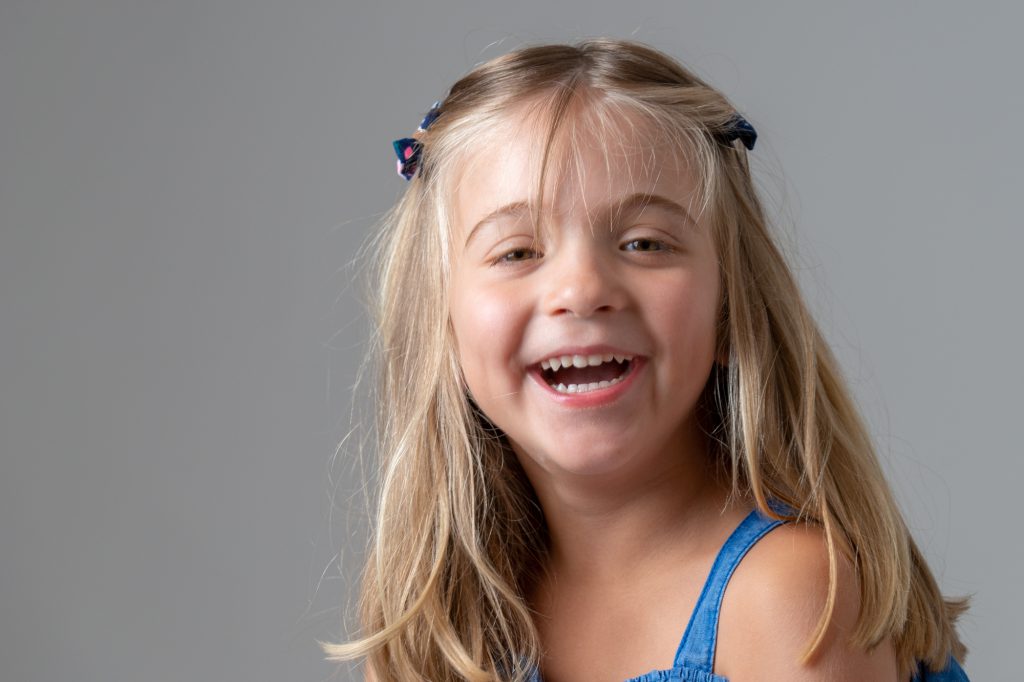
(697, 648)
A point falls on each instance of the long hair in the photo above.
(459, 535)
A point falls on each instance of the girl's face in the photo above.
(590, 344)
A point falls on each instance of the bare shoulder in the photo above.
(771, 609)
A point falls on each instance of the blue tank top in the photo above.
(695, 657)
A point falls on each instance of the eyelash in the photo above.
(504, 258)
(663, 247)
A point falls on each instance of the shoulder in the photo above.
(771, 609)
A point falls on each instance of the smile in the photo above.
(585, 373)
(588, 380)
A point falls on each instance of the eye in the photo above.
(645, 245)
(517, 255)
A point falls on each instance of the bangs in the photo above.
(634, 141)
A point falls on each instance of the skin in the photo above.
(636, 514)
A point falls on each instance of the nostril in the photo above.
(584, 310)
(583, 297)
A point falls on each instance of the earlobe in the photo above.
(453, 358)
(723, 336)
(722, 357)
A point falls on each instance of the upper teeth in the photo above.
(581, 360)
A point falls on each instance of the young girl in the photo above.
(606, 418)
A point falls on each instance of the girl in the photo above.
(600, 390)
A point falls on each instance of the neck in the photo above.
(602, 528)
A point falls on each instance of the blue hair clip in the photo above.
(409, 150)
(739, 128)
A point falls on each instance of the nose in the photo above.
(582, 281)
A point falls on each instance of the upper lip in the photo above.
(600, 349)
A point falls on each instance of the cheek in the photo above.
(488, 325)
(686, 312)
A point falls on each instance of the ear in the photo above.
(722, 352)
(453, 357)
(722, 336)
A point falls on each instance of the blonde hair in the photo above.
(460, 535)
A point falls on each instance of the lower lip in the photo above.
(596, 398)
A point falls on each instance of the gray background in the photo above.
(184, 186)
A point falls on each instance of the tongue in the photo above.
(606, 371)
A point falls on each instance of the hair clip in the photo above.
(738, 127)
(409, 149)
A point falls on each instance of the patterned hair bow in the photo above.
(739, 128)
(409, 150)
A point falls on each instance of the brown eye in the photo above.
(516, 256)
(644, 245)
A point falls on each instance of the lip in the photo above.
(596, 398)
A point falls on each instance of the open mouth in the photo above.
(585, 373)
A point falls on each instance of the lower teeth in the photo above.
(585, 388)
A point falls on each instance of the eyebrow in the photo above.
(638, 200)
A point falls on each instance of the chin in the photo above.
(580, 459)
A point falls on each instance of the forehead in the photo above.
(593, 162)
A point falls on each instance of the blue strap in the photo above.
(697, 648)
(951, 673)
